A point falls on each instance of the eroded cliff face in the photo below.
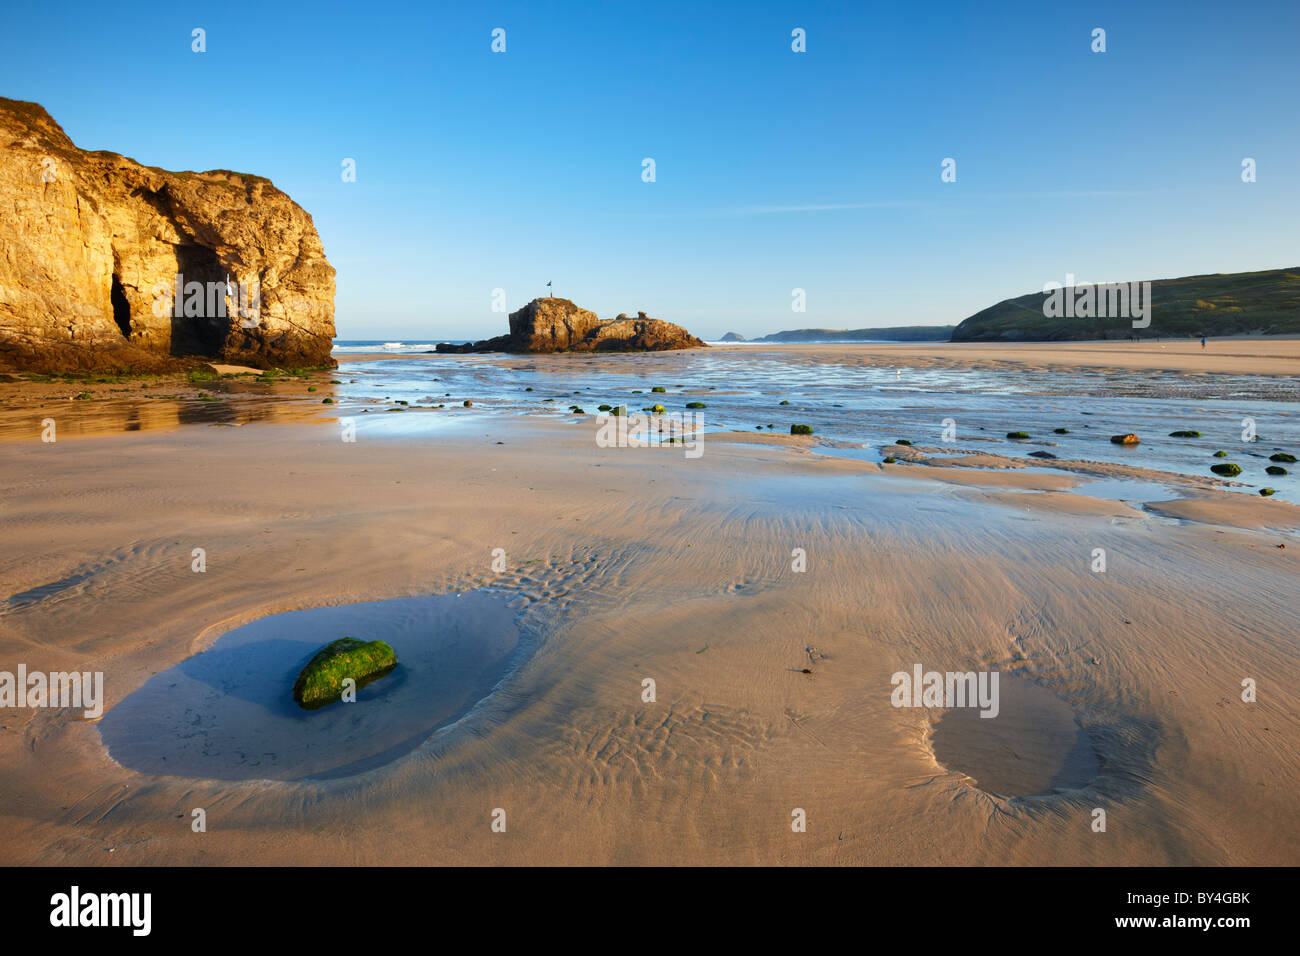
(92, 243)
(558, 325)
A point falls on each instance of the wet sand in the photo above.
(1246, 355)
(644, 564)
(1239, 356)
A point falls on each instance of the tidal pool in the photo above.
(1034, 746)
(229, 713)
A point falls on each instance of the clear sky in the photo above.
(775, 170)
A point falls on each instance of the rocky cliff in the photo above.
(557, 325)
(107, 264)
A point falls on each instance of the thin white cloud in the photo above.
(916, 203)
(824, 207)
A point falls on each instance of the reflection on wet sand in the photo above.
(28, 408)
(108, 417)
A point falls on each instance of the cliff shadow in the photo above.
(121, 308)
(202, 326)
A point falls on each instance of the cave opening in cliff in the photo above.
(202, 334)
(121, 308)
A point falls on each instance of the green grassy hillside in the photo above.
(1240, 303)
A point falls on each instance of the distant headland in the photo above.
(1237, 303)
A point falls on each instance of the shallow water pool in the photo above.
(228, 713)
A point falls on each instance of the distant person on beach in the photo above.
(1202, 342)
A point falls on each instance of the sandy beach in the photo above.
(797, 447)
(772, 686)
(1244, 355)
(1252, 355)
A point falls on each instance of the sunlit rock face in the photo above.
(558, 325)
(92, 245)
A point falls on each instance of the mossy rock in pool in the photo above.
(1267, 491)
(785, 403)
(1220, 454)
(1129, 439)
(658, 388)
(467, 403)
(603, 408)
(1185, 434)
(1061, 431)
(1228, 470)
(890, 460)
(1017, 434)
(321, 681)
(696, 405)
(902, 441)
(1282, 456)
(657, 409)
(801, 430)
(1276, 470)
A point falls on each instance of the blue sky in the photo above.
(775, 170)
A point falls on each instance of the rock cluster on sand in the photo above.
(92, 244)
(557, 325)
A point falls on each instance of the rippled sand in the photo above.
(771, 685)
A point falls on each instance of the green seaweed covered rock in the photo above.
(1228, 470)
(1283, 456)
(321, 681)
(801, 430)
